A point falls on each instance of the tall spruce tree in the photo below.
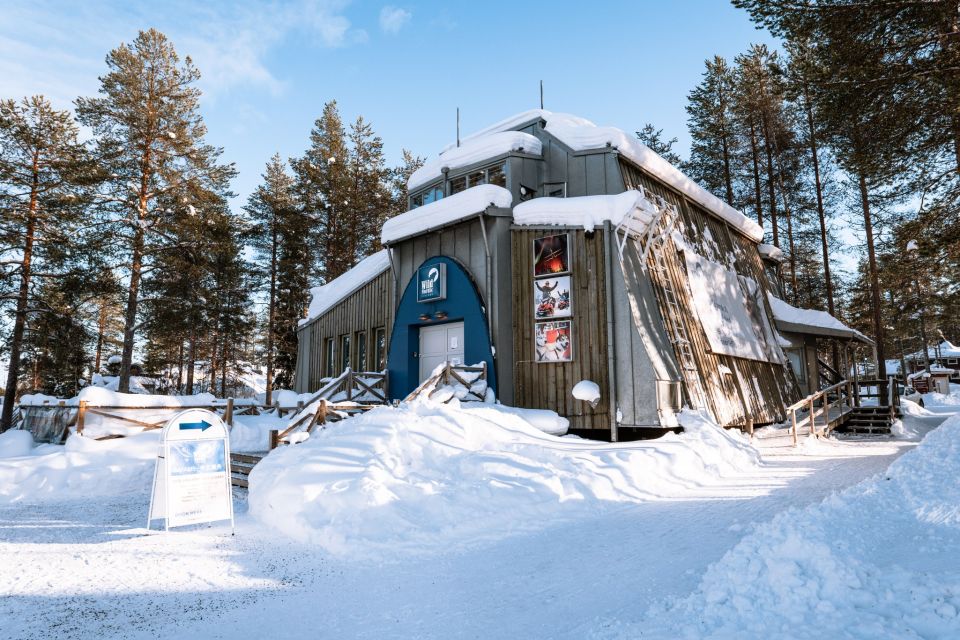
(712, 128)
(42, 168)
(653, 138)
(276, 226)
(150, 139)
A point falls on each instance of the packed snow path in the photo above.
(87, 569)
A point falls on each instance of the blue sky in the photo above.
(405, 66)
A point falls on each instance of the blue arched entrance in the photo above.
(461, 303)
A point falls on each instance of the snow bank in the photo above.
(423, 475)
(476, 150)
(467, 203)
(585, 211)
(15, 443)
(326, 296)
(878, 560)
(81, 468)
(252, 433)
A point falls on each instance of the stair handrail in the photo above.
(843, 389)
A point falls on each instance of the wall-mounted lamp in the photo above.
(425, 317)
(440, 315)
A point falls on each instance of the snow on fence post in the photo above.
(81, 417)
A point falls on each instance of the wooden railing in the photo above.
(350, 391)
(453, 374)
(843, 393)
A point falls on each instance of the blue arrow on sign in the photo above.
(202, 425)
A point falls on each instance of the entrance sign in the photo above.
(191, 483)
(432, 282)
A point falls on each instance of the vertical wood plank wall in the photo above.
(766, 385)
(368, 308)
(548, 385)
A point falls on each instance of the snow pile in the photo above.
(81, 468)
(474, 151)
(467, 203)
(582, 135)
(810, 318)
(425, 475)
(878, 560)
(252, 433)
(771, 252)
(586, 211)
(326, 296)
(15, 443)
(586, 390)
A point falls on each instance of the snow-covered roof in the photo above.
(445, 211)
(585, 211)
(581, 135)
(810, 321)
(770, 252)
(326, 296)
(946, 350)
(474, 151)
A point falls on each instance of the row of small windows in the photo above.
(494, 174)
(350, 350)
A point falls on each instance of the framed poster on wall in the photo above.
(551, 298)
(551, 255)
(554, 341)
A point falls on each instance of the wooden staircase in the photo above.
(875, 420)
(241, 464)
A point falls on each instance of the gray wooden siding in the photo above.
(368, 308)
(548, 385)
(766, 386)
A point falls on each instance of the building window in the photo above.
(795, 359)
(458, 184)
(380, 344)
(426, 197)
(328, 358)
(477, 178)
(361, 339)
(344, 352)
(496, 175)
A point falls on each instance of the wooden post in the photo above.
(81, 417)
(793, 419)
(299, 407)
(274, 439)
(349, 384)
(813, 424)
(322, 412)
(228, 413)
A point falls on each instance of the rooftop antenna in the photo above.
(458, 126)
(541, 94)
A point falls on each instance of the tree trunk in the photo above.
(756, 171)
(874, 278)
(101, 334)
(191, 361)
(828, 280)
(724, 138)
(20, 320)
(180, 370)
(271, 314)
(772, 192)
(130, 319)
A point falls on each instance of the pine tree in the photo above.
(42, 167)
(653, 138)
(150, 139)
(322, 186)
(369, 190)
(275, 225)
(713, 129)
(399, 177)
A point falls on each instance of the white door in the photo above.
(439, 344)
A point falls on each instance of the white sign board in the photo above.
(725, 311)
(191, 483)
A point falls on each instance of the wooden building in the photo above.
(556, 251)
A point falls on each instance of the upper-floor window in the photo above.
(426, 197)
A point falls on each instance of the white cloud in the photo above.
(392, 19)
(58, 48)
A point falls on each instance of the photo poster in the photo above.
(551, 255)
(554, 341)
(551, 298)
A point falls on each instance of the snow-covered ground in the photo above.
(520, 534)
